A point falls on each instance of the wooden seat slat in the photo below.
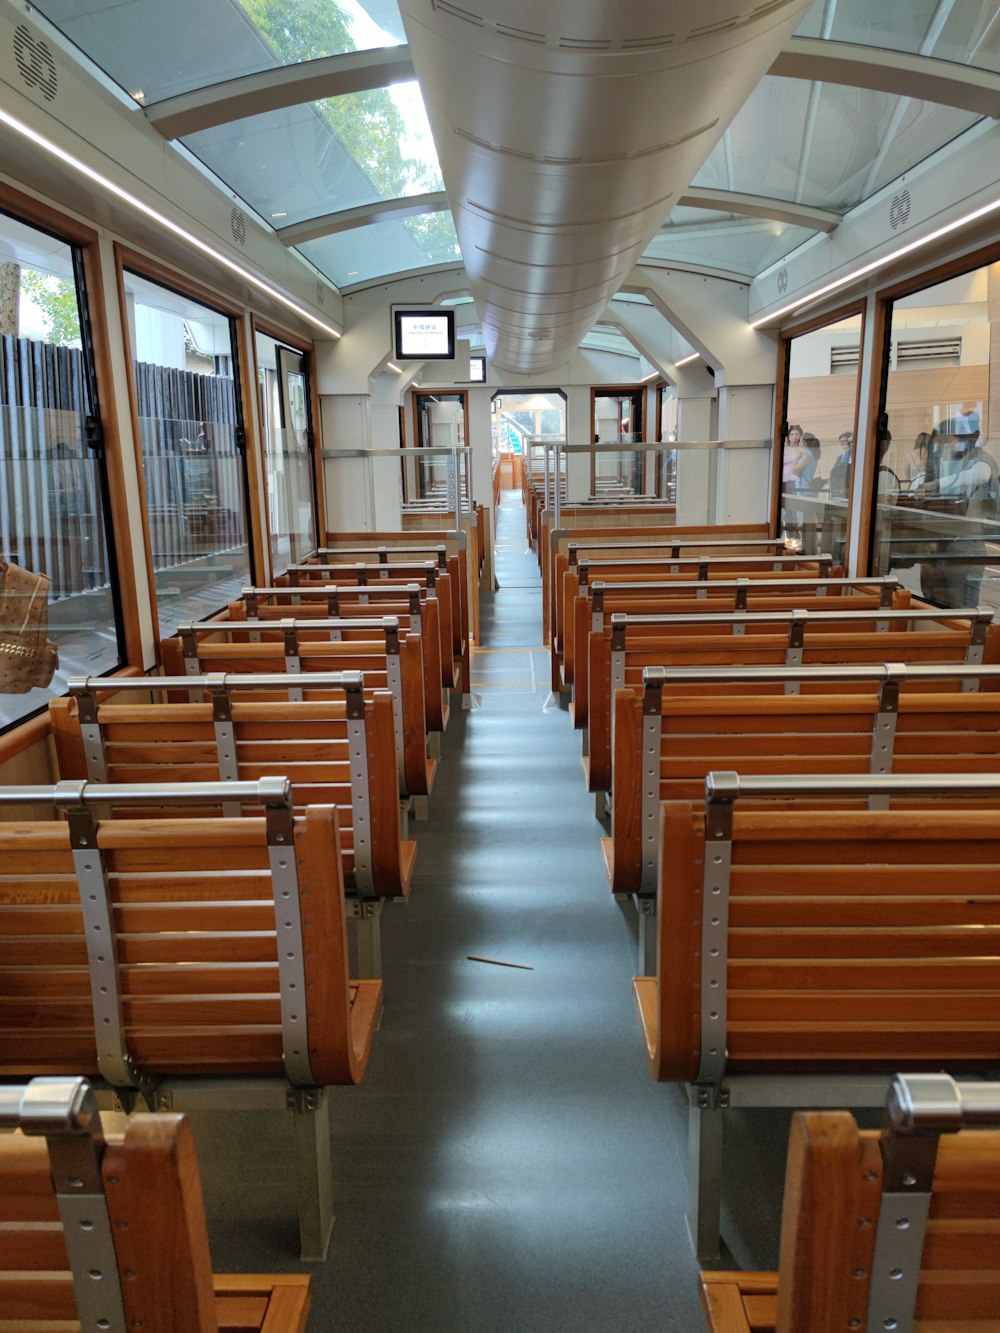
(306, 742)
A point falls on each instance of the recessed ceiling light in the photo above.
(279, 215)
(138, 94)
(352, 273)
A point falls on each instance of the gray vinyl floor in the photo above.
(507, 1163)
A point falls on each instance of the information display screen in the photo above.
(477, 369)
(425, 335)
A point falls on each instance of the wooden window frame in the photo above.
(305, 349)
(156, 271)
(39, 213)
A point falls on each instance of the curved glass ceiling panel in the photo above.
(349, 258)
(968, 33)
(706, 238)
(304, 161)
(155, 49)
(824, 144)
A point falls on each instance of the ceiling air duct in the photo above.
(566, 132)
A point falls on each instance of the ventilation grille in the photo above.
(524, 155)
(844, 358)
(899, 210)
(646, 42)
(916, 351)
(239, 225)
(320, 294)
(35, 62)
(782, 281)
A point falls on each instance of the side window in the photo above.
(59, 604)
(193, 446)
(937, 499)
(818, 450)
(283, 386)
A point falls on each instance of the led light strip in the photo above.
(686, 360)
(878, 263)
(109, 185)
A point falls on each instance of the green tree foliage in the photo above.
(56, 300)
(368, 124)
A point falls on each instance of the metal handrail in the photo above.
(978, 613)
(73, 795)
(658, 677)
(221, 680)
(725, 786)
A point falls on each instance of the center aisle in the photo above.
(507, 1163)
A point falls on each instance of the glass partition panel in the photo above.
(617, 419)
(711, 239)
(283, 387)
(821, 408)
(53, 491)
(937, 518)
(429, 482)
(193, 452)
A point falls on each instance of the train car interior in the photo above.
(499, 759)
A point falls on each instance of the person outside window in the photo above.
(840, 473)
(968, 475)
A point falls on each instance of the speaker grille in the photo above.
(899, 210)
(239, 225)
(35, 62)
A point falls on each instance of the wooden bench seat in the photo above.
(443, 581)
(619, 655)
(337, 750)
(554, 542)
(799, 590)
(412, 606)
(881, 719)
(460, 541)
(141, 1259)
(701, 569)
(804, 955)
(891, 1229)
(145, 951)
(388, 658)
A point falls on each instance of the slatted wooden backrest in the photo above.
(149, 1266)
(387, 659)
(855, 940)
(681, 598)
(874, 728)
(194, 953)
(444, 583)
(553, 547)
(898, 1229)
(416, 612)
(575, 581)
(455, 541)
(568, 546)
(826, 639)
(307, 741)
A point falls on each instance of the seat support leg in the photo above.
(647, 936)
(705, 1133)
(368, 939)
(310, 1109)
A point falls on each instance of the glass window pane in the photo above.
(708, 238)
(858, 142)
(375, 251)
(937, 519)
(305, 161)
(818, 455)
(967, 33)
(283, 386)
(52, 485)
(160, 50)
(194, 470)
